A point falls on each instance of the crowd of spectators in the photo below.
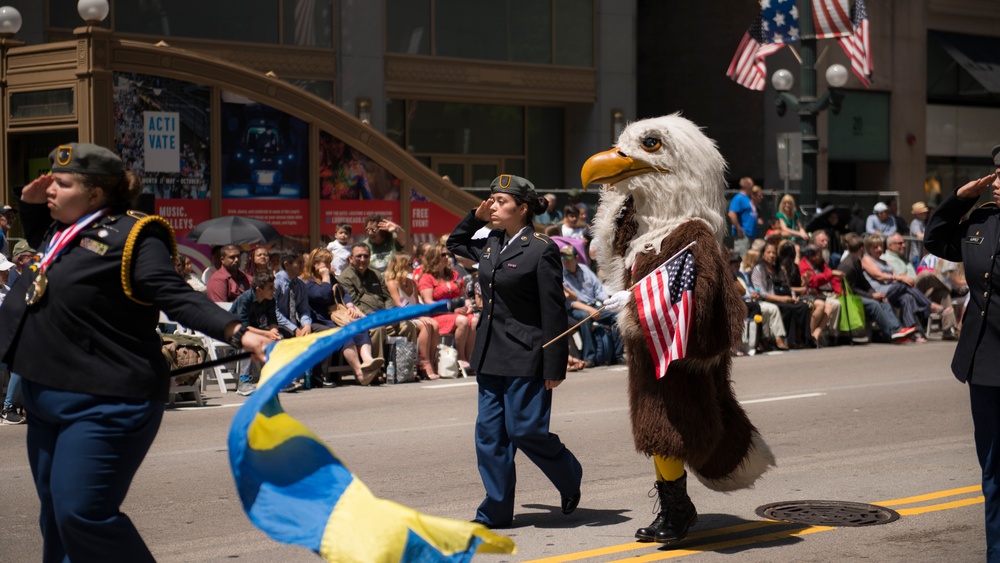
(794, 281)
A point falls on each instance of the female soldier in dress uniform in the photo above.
(975, 242)
(80, 328)
(523, 308)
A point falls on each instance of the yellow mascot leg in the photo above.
(668, 468)
(677, 513)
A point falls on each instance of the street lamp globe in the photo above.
(836, 75)
(782, 80)
(10, 21)
(93, 12)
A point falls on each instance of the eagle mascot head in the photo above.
(665, 169)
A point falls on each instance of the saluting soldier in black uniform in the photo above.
(976, 242)
(523, 308)
(80, 328)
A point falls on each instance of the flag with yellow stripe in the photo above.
(295, 489)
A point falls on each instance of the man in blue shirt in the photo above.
(590, 295)
(743, 215)
(292, 306)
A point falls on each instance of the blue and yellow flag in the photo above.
(296, 490)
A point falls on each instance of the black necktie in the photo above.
(293, 307)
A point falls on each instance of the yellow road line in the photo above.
(943, 506)
(641, 545)
(784, 534)
(673, 554)
(929, 496)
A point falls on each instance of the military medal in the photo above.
(37, 289)
(58, 244)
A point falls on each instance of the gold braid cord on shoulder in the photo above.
(129, 254)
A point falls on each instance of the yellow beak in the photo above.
(612, 166)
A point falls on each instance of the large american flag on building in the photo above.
(665, 301)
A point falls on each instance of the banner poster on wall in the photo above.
(162, 134)
(183, 214)
(263, 151)
(163, 150)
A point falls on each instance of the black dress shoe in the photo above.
(570, 503)
(488, 525)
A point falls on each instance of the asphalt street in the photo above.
(877, 424)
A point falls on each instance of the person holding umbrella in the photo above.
(81, 332)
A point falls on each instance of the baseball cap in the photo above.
(5, 264)
(880, 207)
(21, 247)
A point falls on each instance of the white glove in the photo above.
(618, 301)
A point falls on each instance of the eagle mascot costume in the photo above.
(663, 188)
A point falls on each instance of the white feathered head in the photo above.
(673, 172)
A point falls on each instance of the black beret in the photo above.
(996, 155)
(513, 185)
(85, 158)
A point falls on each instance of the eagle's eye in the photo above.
(651, 144)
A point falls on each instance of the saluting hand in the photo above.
(485, 210)
(973, 189)
(35, 191)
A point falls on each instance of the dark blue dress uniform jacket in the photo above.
(86, 335)
(523, 302)
(976, 242)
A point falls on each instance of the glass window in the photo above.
(308, 23)
(443, 127)
(321, 88)
(41, 103)
(255, 21)
(395, 121)
(408, 27)
(529, 31)
(574, 41)
(861, 131)
(545, 147)
(471, 30)
(63, 13)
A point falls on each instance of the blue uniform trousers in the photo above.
(985, 401)
(84, 451)
(514, 415)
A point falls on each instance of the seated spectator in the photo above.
(385, 238)
(571, 227)
(23, 255)
(369, 293)
(920, 213)
(321, 286)
(258, 260)
(255, 309)
(829, 245)
(821, 280)
(403, 291)
(228, 282)
(952, 275)
(773, 327)
(439, 281)
(292, 306)
(340, 246)
(551, 216)
(589, 297)
(791, 220)
(788, 262)
(899, 290)
(876, 305)
(881, 222)
(926, 283)
(774, 287)
(186, 271)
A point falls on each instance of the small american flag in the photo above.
(665, 301)
(857, 45)
(831, 18)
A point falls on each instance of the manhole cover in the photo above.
(828, 513)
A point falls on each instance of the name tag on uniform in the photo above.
(94, 246)
(511, 265)
(973, 240)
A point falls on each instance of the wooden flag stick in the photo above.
(595, 313)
